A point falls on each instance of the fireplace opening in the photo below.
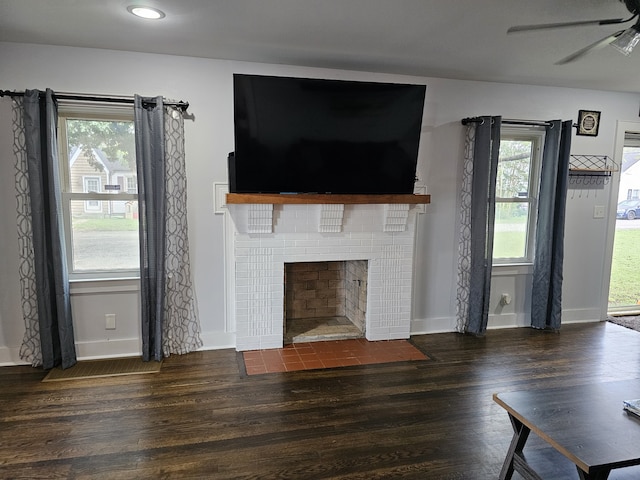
(325, 300)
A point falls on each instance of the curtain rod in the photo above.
(508, 121)
(96, 98)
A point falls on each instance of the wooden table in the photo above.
(586, 424)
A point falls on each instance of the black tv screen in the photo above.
(302, 135)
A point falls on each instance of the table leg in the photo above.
(597, 475)
(520, 436)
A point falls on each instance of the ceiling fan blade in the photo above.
(547, 26)
(590, 48)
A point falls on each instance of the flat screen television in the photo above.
(303, 135)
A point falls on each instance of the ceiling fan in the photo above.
(623, 40)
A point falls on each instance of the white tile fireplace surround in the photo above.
(268, 236)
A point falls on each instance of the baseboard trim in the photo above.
(217, 340)
(10, 357)
(131, 347)
(425, 326)
(127, 347)
(581, 315)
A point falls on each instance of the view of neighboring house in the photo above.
(630, 175)
(100, 175)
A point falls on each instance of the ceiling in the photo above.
(462, 39)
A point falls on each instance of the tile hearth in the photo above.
(329, 354)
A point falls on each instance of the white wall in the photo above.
(448, 102)
(207, 86)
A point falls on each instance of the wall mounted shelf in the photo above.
(592, 166)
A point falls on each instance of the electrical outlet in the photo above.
(110, 321)
(505, 299)
(598, 211)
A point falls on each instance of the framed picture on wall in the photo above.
(588, 123)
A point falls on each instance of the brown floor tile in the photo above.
(332, 362)
(293, 366)
(329, 354)
(275, 368)
(256, 369)
(313, 364)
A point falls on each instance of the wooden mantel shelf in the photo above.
(324, 199)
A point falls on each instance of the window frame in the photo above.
(73, 111)
(537, 136)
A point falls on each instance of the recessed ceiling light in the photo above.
(146, 12)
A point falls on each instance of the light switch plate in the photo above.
(598, 211)
(110, 321)
(220, 191)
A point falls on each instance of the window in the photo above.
(99, 194)
(516, 194)
(132, 185)
(92, 185)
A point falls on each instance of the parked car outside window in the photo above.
(629, 209)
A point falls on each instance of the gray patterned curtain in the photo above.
(30, 350)
(181, 329)
(169, 318)
(546, 296)
(482, 146)
(51, 279)
(464, 242)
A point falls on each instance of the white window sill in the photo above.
(106, 285)
(511, 269)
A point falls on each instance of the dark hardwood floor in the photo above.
(201, 417)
